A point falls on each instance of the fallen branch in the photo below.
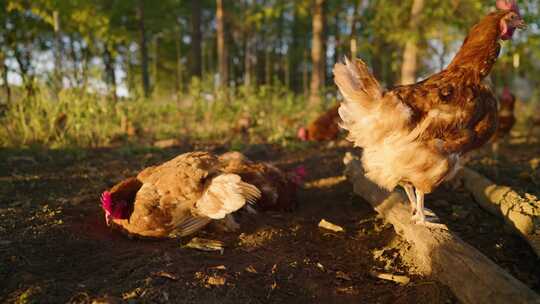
(519, 213)
(439, 253)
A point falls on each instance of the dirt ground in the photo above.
(56, 248)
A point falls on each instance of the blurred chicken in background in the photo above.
(507, 119)
(324, 128)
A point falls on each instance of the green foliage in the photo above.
(97, 46)
(92, 120)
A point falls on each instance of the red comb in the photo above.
(301, 171)
(106, 201)
(507, 5)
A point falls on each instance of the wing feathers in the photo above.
(225, 194)
(191, 225)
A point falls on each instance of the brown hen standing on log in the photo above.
(325, 127)
(177, 197)
(415, 135)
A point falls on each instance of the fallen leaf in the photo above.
(205, 245)
(400, 279)
(166, 275)
(330, 226)
(219, 267)
(251, 269)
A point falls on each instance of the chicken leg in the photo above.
(409, 189)
(425, 217)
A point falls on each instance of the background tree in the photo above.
(196, 36)
(221, 45)
(317, 53)
(408, 68)
(132, 48)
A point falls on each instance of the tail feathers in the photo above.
(225, 194)
(368, 81)
(356, 82)
(368, 115)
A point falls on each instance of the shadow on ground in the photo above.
(55, 247)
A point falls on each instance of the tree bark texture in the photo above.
(317, 53)
(410, 54)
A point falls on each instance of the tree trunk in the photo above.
(130, 70)
(24, 60)
(268, 65)
(305, 75)
(287, 72)
(179, 79)
(110, 75)
(196, 37)
(408, 68)
(249, 44)
(337, 36)
(76, 78)
(58, 75)
(278, 53)
(144, 50)
(249, 59)
(317, 54)
(222, 46)
(4, 72)
(155, 59)
(85, 66)
(352, 33)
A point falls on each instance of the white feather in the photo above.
(225, 194)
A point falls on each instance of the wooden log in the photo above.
(521, 214)
(439, 253)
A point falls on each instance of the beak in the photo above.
(521, 24)
(108, 220)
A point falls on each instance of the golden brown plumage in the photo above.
(278, 188)
(177, 197)
(414, 135)
(325, 127)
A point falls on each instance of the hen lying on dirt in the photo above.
(325, 127)
(177, 197)
(278, 188)
(415, 135)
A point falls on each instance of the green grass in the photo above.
(93, 120)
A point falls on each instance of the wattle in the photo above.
(506, 35)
